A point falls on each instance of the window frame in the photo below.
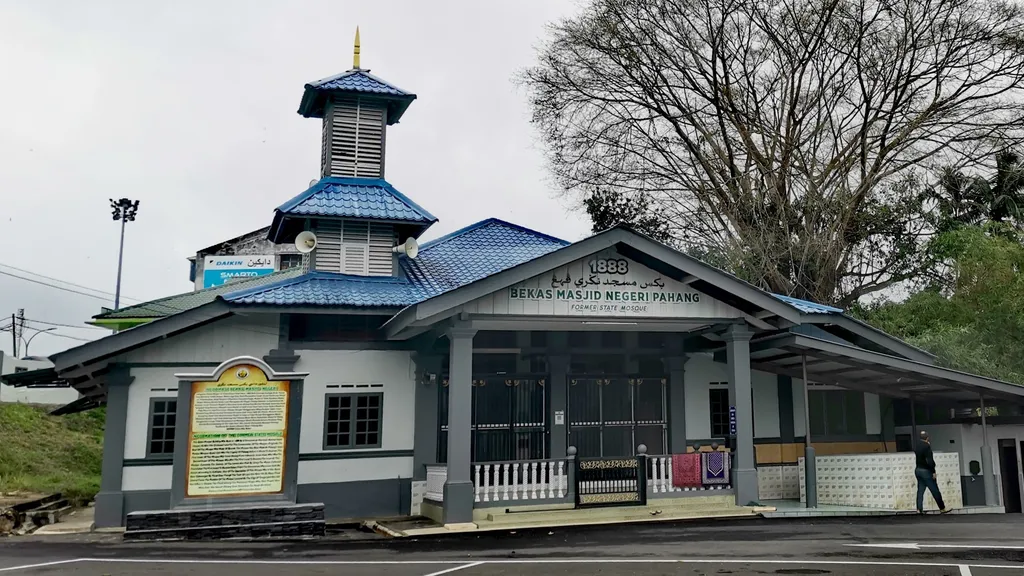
(150, 455)
(355, 395)
(712, 388)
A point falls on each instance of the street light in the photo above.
(125, 211)
(32, 337)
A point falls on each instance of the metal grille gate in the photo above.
(611, 482)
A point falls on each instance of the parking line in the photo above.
(457, 568)
(41, 565)
(965, 570)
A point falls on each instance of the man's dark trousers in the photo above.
(926, 480)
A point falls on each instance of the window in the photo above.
(352, 421)
(836, 412)
(163, 414)
(719, 403)
(20, 369)
(289, 261)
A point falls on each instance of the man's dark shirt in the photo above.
(923, 450)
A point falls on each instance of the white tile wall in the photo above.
(779, 482)
(883, 481)
(419, 490)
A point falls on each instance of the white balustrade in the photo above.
(534, 480)
(436, 477)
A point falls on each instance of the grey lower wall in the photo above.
(974, 490)
(380, 498)
(144, 501)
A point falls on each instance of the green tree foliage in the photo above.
(973, 319)
(608, 209)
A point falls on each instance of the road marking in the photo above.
(42, 565)
(470, 565)
(808, 561)
(965, 570)
(916, 546)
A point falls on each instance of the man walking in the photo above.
(925, 473)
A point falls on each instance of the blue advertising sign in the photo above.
(219, 270)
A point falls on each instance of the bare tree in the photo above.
(787, 136)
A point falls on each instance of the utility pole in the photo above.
(14, 335)
(19, 329)
(125, 211)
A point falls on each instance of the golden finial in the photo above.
(355, 53)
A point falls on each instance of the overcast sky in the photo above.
(189, 107)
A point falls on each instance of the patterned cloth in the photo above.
(714, 468)
(686, 470)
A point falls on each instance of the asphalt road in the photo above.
(979, 545)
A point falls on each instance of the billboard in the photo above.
(219, 270)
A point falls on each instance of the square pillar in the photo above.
(558, 393)
(458, 488)
(676, 395)
(744, 475)
(110, 500)
(428, 374)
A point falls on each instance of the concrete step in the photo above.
(612, 513)
(540, 522)
(255, 521)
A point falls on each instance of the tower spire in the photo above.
(355, 51)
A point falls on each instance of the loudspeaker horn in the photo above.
(410, 248)
(305, 242)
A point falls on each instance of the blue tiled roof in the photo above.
(329, 289)
(807, 306)
(356, 82)
(371, 198)
(452, 261)
(359, 81)
(475, 252)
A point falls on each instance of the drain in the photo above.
(802, 571)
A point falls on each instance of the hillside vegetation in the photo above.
(43, 453)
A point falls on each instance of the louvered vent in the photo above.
(325, 139)
(356, 147)
(327, 255)
(382, 241)
(354, 247)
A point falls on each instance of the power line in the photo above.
(110, 294)
(64, 325)
(101, 298)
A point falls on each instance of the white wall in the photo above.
(149, 383)
(146, 477)
(393, 369)
(54, 396)
(354, 469)
(700, 371)
(253, 335)
(873, 414)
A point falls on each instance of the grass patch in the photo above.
(43, 453)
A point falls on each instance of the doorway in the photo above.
(1008, 473)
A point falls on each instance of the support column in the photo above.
(987, 473)
(558, 394)
(676, 396)
(810, 466)
(458, 488)
(744, 475)
(110, 499)
(914, 439)
(426, 430)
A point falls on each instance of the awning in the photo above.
(858, 369)
(41, 377)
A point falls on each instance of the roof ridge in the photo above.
(323, 183)
(482, 223)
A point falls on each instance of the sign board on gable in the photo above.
(603, 285)
(219, 270)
